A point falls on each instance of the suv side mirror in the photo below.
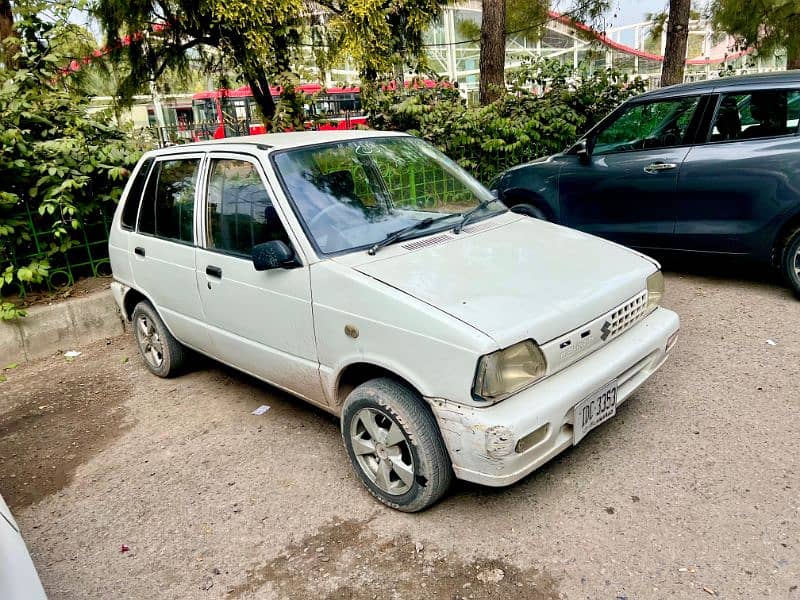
(273, 255)
(584, 152)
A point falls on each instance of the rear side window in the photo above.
(240, 212)
(134, 198)
(168, 205)
(758, 114)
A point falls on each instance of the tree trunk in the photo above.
(677, 38)
(793, 52)
(493, 51)
(6, 30)
(259, 85)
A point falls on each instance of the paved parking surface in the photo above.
(692, 491)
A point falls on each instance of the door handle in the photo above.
(659, 166)
(139, 250)
(214, 271)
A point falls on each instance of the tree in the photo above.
(262, 39)
(765, 24)
(7, 48)
(527, 17)
(677, 38)
(493, 50)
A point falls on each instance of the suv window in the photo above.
(134, 199)
(240, 213)
(751, 115)
(168, 204)
(649, 125)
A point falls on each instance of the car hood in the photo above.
(515, 278)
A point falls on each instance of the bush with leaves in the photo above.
(546, 110)
(61, 168)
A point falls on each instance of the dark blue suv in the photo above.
(710, 167)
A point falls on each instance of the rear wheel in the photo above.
(395, 446)
(529, 210)
(791, 262)
(162, 353)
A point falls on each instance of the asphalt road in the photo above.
(129, 486)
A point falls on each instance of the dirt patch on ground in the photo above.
(55, 417)
(345, 560)
(82, 287)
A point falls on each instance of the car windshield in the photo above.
(351, 195)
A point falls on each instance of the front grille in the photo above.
(628, 314)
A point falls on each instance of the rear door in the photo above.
(627, 191)
(259, 321)
(162, 248)
(735, 189)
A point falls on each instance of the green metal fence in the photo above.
(88, 257)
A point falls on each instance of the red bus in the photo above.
(222, 112)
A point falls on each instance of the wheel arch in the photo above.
(791, 225)
(356, 373)
(513, 196)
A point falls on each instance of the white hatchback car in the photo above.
(368, 274)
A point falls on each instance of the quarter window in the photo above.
(649, 125)
(168, 205)
(134, 198)
(752, 115)
(240, 213)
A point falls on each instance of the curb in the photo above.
(60, 327)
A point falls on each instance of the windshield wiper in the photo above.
(392, 237)
(465, 218)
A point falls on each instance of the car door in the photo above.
(735, 189)
(259, 321)
(625, 190)
(162, 248)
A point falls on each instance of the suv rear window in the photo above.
(758, 114)
(134, 198)
(168, 207)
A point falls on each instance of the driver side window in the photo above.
(240, 213)
(649, 125)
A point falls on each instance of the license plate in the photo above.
(593, 410)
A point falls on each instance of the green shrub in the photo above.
(547, 109)
(62, 169)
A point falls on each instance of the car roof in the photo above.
(280, 141)
(760, 80)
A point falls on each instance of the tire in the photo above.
(409, 470)
(790, 265)
(529, 210)
(162, 353)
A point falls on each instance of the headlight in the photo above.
(505, 372)
(655, 290)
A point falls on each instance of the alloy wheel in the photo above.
(382, 450)
(149, 341)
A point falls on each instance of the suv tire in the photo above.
(162, 353)
(394, 444)
(790, 265)
(529, 210)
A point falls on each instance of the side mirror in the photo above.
(584, 152)
(273, 255)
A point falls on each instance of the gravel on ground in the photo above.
(126, 485)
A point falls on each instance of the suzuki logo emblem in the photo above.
(605, 330)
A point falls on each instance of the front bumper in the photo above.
(482, 442)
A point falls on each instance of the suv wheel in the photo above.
(791, 262)
(162, 353)
(395, 446)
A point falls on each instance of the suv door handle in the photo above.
(214, 271)
(659, 166)
(139, 250)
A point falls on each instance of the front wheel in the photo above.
(791, 262)
(395, 446)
